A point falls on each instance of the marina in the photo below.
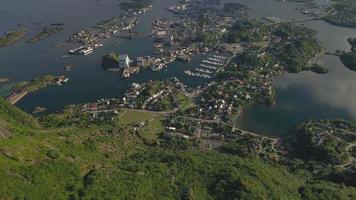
(209, 67)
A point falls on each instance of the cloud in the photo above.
(336, 90)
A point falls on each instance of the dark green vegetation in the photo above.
(316, 68)
(105, 160)
(325, 141)
(111, 61)
(349, 58)
(45, 33)
(352, 42)
(289, 45)
(342, 13)
(247, 31)
(135, 4)
(297, 48)
(35, 84)
(12, 36)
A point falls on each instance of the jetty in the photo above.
(14, 97)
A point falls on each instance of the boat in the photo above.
(68, 68)
(74, 51)
(87, 51)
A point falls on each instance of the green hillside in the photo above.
(41, 160)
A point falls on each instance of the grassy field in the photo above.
(153, 123)
(184, 102)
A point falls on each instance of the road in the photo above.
(240, 130)
(351, 158)
(136, 110)
(167, 113)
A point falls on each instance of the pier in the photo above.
(208, 67)
(13, 98)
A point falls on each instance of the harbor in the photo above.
(209, 67)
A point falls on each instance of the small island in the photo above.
(111, 61)
(349, 58)
(13, 36)
(45, 33)
(122, 62)
(135, 4)
(38, 110)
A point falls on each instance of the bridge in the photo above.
(276, 20)
(305, 19)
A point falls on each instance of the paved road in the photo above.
(242, 131)
(136, 110)
(167, 113)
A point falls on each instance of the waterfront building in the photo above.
(124, 61)
(140, 62)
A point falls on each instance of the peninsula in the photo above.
(342, 13)
(21, 89)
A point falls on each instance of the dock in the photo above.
(14, 97)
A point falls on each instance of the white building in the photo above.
(124, 61)
(161, 33)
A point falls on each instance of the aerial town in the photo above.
(157, 97)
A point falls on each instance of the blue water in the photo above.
(88, 81)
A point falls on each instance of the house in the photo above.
(140, 62)
(176, 135)
(124, 61)
(161, 33)
(171, 128)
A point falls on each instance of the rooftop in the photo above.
(123, 57)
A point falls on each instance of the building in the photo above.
(140, 62)
(161, 33)
(124, 61)
(168, 39)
